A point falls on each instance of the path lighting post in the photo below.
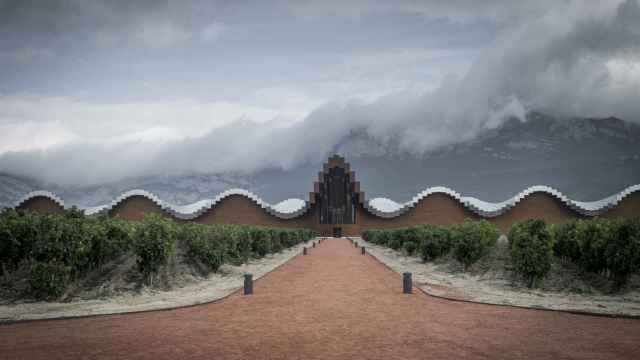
(248, 284)
(406, 283)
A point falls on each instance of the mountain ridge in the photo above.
(585, 158)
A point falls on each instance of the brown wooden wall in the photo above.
(441, 209)
(41, 204)
(238, 209)
(135, 207)
(536, 206)
(628, 207)
(436, 209)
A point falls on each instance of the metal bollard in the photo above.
(406, 283)
(248, 284)
(314, 244)
(362, 250)
(304, 250)
(355, 244)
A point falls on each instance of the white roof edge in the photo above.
(39, 193)
(184, 212)
(489, 209)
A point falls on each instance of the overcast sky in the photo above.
(94, 91)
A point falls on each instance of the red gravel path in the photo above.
(333, 303)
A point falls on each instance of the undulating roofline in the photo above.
(487, 209)
(285, 210)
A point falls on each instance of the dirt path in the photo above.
(333, 303)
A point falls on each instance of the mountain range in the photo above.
(585, 158)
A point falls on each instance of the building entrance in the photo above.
(337, 232)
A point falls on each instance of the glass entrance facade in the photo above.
(337, 199)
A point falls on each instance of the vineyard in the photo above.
(608, 248)
(54, 251)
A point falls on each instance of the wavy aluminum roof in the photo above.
(381, 207)
(281, 210)
(489, 209)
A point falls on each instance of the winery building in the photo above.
(337, 206)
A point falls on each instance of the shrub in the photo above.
(609, 247)
(386, 237)
(375, 236)
(435, 242)
(566, 244)
(622, 251)
(213, 245)
(48, 280)
(472, 239)
(70, 244)
(70, 241)
(120, 235)
(62, 239)
(18, 231)
(199, 245)
(308, 234)
(154, 244)
(531, 246)
(593, 235)
(410, 238)
(228, 237)
(274, 238)
(215, 250)
(101, 247)
(287, 238)
(245, 246)
(395, 239)
(409, 247)
(283, 238)
(261, 242)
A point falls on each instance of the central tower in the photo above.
(337, 204)
(336, 196)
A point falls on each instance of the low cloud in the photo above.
(25, 55)
(573, 61)
(213, 31)
(161, 33)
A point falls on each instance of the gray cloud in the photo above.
(155, 24)
(566, 58)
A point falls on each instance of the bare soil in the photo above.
(331, 304)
